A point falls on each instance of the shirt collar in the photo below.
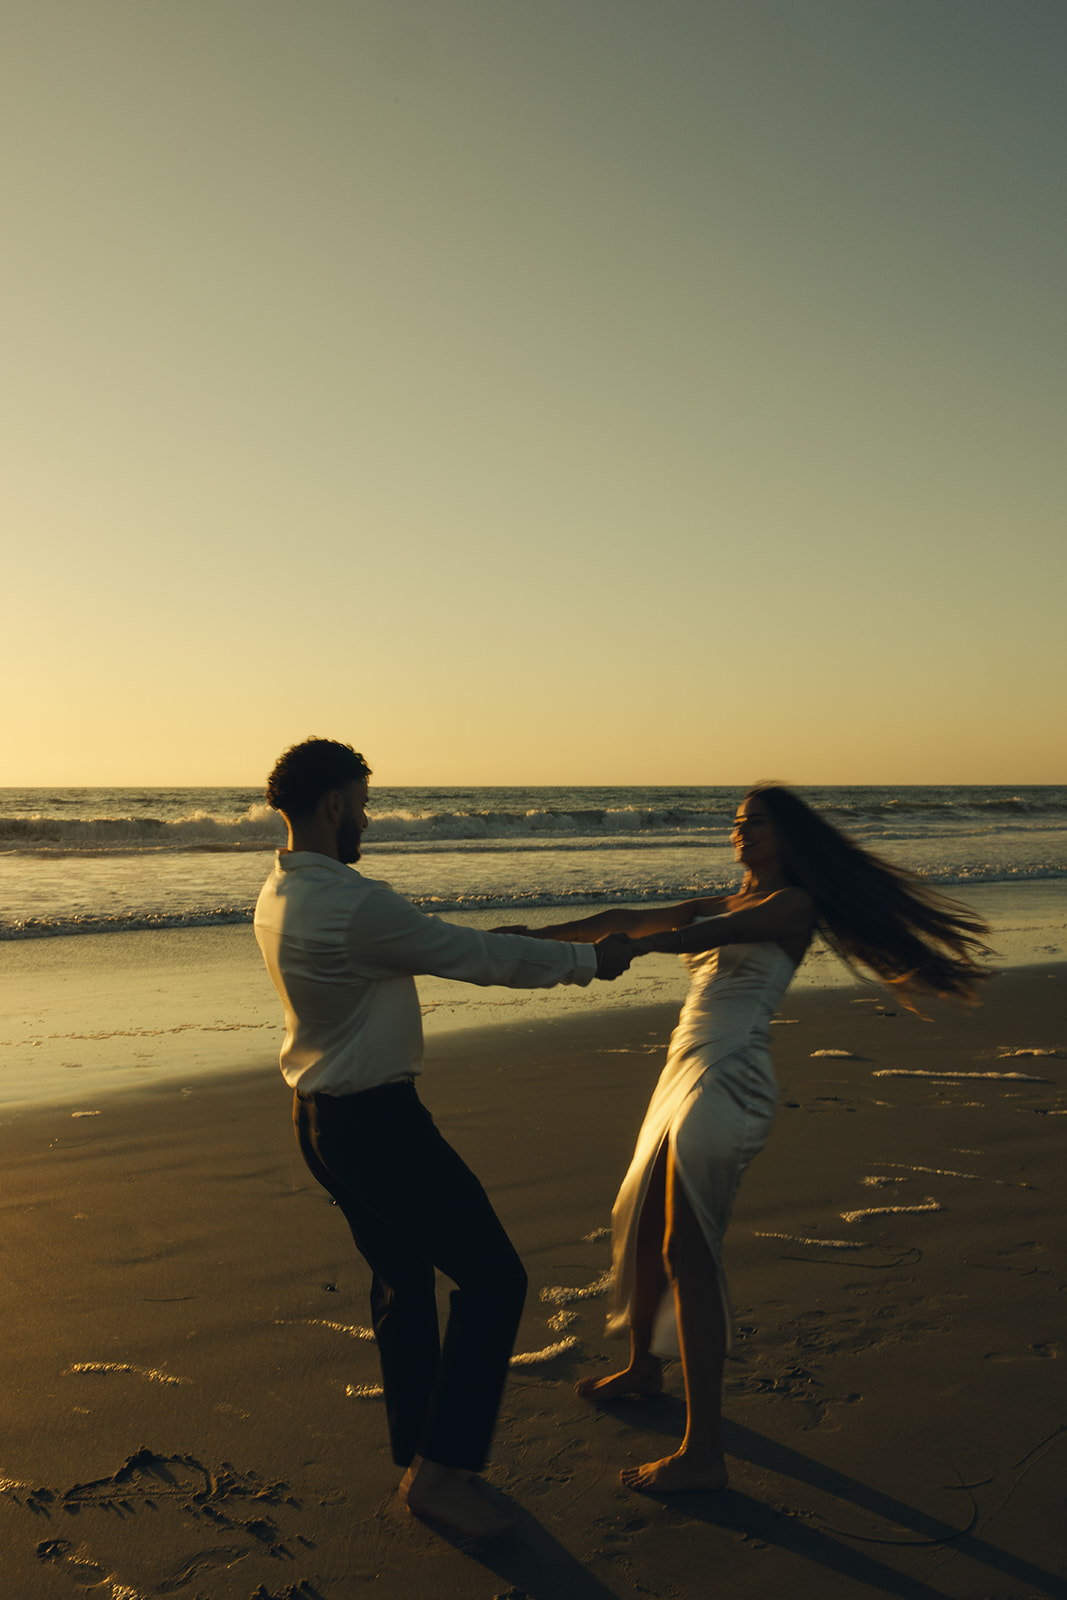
(294, 860)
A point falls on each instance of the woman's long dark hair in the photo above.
(879, 915)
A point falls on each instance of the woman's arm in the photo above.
(637, 924)
(786, 914)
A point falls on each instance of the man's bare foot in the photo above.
(689, 1469)
(448, 1495)
(644, 1376)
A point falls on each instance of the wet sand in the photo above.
(185, 1407)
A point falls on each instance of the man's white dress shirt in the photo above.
(343, 952)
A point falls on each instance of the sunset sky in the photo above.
(535, 391)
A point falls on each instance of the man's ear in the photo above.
(332, 806)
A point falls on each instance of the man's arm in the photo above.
(388, 937)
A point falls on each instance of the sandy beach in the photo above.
(189, 1389)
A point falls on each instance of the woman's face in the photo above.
(754, 836)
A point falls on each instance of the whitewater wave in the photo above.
(493, 832)
(513, 907)
(122, 922)
(258, 828)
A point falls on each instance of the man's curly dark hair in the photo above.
(308, 771)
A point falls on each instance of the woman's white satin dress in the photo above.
(714, 1102)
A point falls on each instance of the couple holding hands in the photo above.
(343, 952)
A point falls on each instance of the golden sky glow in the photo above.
(589, 390)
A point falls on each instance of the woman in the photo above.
(712, 1109)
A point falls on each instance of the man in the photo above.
(343, 952)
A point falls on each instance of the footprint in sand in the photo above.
(206, 1561)
(1049, 1351)
(77, 1562)
(620, 1528)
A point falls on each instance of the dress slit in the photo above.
(713, 1106)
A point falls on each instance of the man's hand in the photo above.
(519, 927)
(613, 955)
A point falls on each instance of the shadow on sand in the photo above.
(530, 1561)
(537, 1565)
(921, 1528)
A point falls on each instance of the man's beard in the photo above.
(348, 841)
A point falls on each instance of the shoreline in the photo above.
(82, 1017)
(594, 1028)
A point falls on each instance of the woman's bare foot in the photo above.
(689, 1469)
(448, 1495)
(644, 1376)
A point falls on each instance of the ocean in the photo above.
(128, 959)
(75, 862)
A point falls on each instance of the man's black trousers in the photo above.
(413, 1206)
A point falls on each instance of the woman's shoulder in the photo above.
(796, 904)
(794, 895)
(789, 898)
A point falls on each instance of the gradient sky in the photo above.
(535, 390)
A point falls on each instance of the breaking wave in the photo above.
(124, 821)
(258, 828)
(513, 906)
